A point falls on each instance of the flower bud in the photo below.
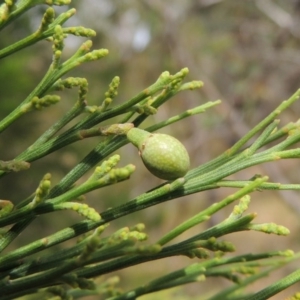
(163, 155)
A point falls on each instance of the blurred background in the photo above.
(246, 53)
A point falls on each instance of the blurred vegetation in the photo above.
(246, 53)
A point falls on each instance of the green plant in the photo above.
(69, 272)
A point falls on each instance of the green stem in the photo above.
(276, 287)
(21, 7)
(75, 111)
(188, 113)
(50, 77)
(263, 186)
(97, 117)
(261, 125)
(207, 213)
(16, 229)
(36, 36)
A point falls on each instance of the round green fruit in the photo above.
(163, 155)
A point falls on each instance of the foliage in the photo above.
(71, 271)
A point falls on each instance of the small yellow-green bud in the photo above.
(163, 155)
(6, 207)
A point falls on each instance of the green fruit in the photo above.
(163, 155)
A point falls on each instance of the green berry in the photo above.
(163, 155)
